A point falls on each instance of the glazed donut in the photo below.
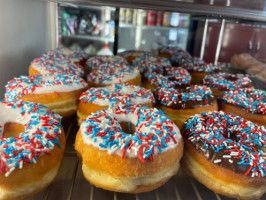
(172, 77)
(132, 149)
(243, 61)
(32, 146)
(114, 74)
(262, 76)
(226, 153)
(256, 68)
(225, 81)
(200, 70)
(58, 92)
(55, 65)
(247, 103)
(145, 63)
(96, 62)
(130, 55)
(179, 103)
(96, 99)
(75, 56)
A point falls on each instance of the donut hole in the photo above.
(128, 127)
(232, 135)
(12, 129)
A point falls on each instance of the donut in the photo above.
(114, 74)
(247, 103)
(76, 56)
(179, 103)
(226, 153)
(176, 55)
(32, 144)
(58, 92)
(255, 68)
(171, 77)
(55, 65)
(145, 63)
(224, 81)
(131, 149)
(95, 62)
(95, 99)
(130, 55)
(199, 70)
(243, 61)
(262, 76)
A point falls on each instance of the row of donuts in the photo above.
(113, 143)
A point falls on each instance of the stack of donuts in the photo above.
(137, 115)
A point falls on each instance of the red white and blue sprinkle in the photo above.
(39, 84)
(41, 135)
(118, 94)
(251, 100)
(154, 133)
(226, 81)
(229, 140)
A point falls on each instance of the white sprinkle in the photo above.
(217, 161)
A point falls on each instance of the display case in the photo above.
(211, 31)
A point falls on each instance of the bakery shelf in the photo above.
(82, 6)
(71, 185)
(88, 37)
(122, 25)
(244, 9)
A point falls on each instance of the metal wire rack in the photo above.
(71, 185)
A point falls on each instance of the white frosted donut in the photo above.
(58, 92)
(55, 65)
(31, 151)
(143, 158)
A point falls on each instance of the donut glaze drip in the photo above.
(115, 94)
(229, 141)
(225, 81)
(39, 84)
(251, 100)
(154, 133)
(42, 131)
(193, 96)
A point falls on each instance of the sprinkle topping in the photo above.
(57, 64)
(251, 100)
(73, 55)
(173, 76)
(112, 75)
(97, 62)
(201, 67)
(39, 84)
(145, 63)
(118, 94)
(184, 97)
(226, 81)
(42, 131)
(229, 141)
(155, 133)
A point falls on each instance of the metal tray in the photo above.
(70, 183)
